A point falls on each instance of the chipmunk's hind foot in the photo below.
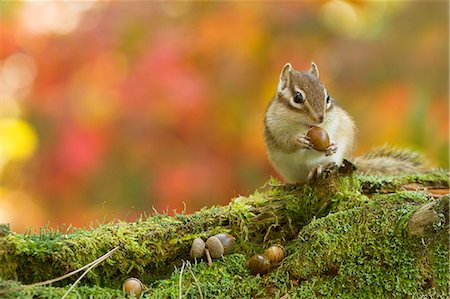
(322, 172)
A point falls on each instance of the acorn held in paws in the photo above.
(319, 138)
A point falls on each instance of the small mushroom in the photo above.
(215, 247)
(275, 253)
(319, 138)
(258, 264)
(198, 248)
(227, 241)
(133, 286)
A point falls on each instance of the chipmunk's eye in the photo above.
(328, 101)
(298, 98)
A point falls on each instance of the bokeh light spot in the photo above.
(18, 139)
(17, 71)
(60, 17)
(342, 17)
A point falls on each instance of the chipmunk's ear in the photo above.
(285, 76)
(314, 69)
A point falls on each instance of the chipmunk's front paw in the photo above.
(322, 171)
(304, 141)
(331, 149)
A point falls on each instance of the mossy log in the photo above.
(347, 235)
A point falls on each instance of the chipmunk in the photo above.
(301, 102)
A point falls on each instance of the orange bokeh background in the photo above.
(109, 109)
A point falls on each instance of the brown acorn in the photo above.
(227, 241)
(319, 138)
(258, 264)
(198, 248)
(215, 247)
(133, 286)
(275, 253)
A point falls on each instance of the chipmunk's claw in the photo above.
(304, 141)
(330, 169)
(315, 173)
(320, 171)
(331, 149)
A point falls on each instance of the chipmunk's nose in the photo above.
(320, 119)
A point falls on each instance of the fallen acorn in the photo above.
(133, 286)
(275, 253)
(258, 264)
(227, 241)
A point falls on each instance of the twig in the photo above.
(273, 225)
(92, 265)
(50, 281)
(37, 284)
(181, 277)
(195, 279)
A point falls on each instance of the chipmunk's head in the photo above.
(302, 96)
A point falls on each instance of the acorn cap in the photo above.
(215, 247)
(227, 241)
(198, 248)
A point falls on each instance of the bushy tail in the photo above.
(386, 160)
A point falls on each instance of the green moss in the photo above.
(223, 280)
(440, 265)
(57, 292)
(227, 278)
(365, 252)
(345, 236)
(376, 184)
(5, 229)
(438, 178)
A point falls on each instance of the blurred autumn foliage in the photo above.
(111, 108)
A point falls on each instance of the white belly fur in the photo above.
(295, 166)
